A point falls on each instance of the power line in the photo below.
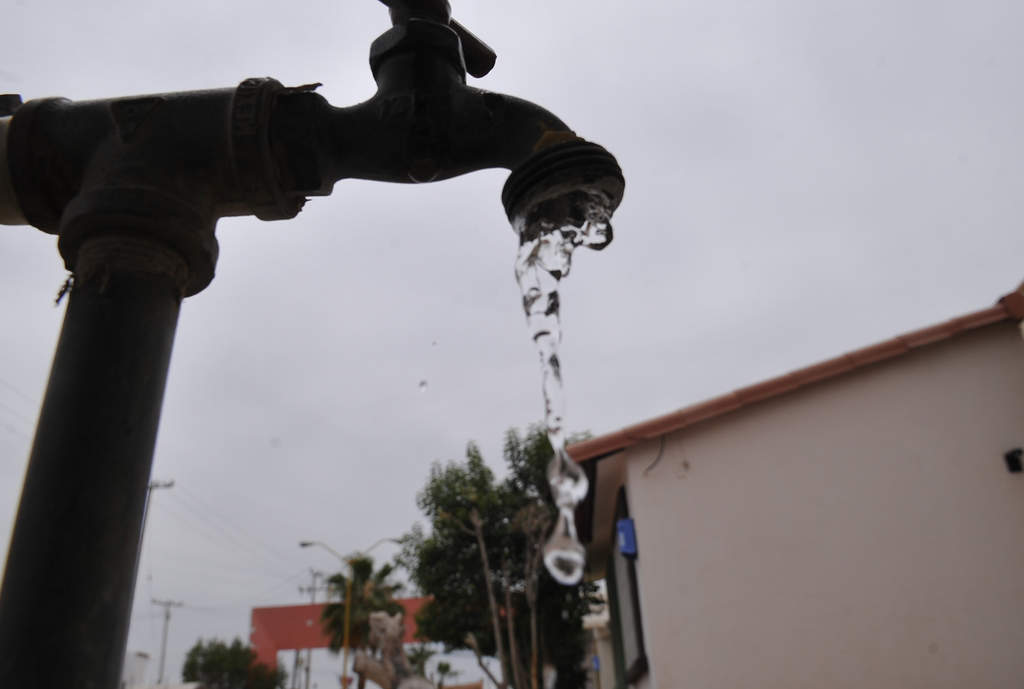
(10, 428)
(233, 575)
(153, 485)
(196, 528)
(248, 601)
(26, 422)
(19, 393)
(224, 545)
(229, 524)
(16, 412)
(210, 529)
(246, 533)
(23, 420)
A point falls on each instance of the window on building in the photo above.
(624, 604)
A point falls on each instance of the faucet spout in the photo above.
(423, 124)
(406, 138)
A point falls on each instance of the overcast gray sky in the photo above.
(803, 177)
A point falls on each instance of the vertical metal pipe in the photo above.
(69, 582)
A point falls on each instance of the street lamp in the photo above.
(348, 591)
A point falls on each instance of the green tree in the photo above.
(480, 563)
(217, 665)
(371, 590)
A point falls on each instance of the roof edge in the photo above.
(1010, 307)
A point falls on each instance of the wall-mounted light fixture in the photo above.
(1013, 460)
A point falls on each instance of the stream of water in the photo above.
(548, 233)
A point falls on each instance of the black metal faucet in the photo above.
(133, 188)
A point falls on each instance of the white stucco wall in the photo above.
(864, 532)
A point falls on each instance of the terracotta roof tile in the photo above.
(1009, 307)
(878, 352)
(1014, 302)
(767, 389)
(593, 447)
(919, 338)
(979, 318)
(714, 406)
(826, 369)
(657, 426)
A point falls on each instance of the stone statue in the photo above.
(386, 664)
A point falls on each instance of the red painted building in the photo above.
(286, 627)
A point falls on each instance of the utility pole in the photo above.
(311, 589)
(150, 487)
(166, 605)
(295, 670)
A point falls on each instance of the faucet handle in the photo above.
(479, 56)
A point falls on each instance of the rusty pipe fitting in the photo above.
(168, 166)
(164, 167)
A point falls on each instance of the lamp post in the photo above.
(348, 592)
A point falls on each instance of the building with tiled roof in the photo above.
(859, 522)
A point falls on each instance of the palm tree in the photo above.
(371, 590)
(444, 671)
(418, 656)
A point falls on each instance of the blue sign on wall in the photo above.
(626, 537)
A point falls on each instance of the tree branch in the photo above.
(478, 528)
(534, 521)
(471, 642)
(513, 647)
(457, 523)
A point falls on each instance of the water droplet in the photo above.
(564, 556)
(423, 386)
